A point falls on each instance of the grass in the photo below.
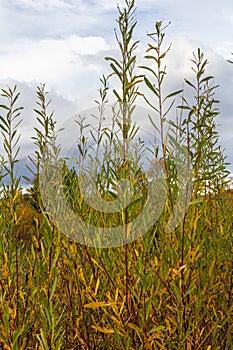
(172, 287)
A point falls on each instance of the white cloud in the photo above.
(59, 62)
(45, 4)
(64, 42)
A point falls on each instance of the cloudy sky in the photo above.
(63, 43)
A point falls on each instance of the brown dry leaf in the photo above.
(103, 329)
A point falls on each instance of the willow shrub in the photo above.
(167, 290)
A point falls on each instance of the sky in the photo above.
(63, 43)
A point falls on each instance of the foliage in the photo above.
(199, 124)
(167, 290)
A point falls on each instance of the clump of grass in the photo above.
(172, 288)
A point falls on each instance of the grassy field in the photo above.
(172, 287)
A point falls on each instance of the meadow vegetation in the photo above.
(169, 289)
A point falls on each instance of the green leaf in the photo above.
(150, 104)
(117, 96)
(156, 328)
(184, 107)
(173, 94)
(149, 57)
(119, 74)
(131, 60)
(150, 70)
(5, 107)
(151, 87)
(190, 84)
(206, 79)
(114, 61)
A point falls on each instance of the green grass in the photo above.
(170, 288)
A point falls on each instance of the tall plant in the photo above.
(48, 243)
(11, 253)
(9, 128)
(161, 104)
(208, 160)
(124, 69)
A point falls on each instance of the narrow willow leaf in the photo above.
(190, 84)
(156, 328)
(5, 107)
(151, 87)
(97, 304)
(114, 61)
(173, 94)
(116, 71)
(104, 330)
(117, 96)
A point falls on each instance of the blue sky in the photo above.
(63, 43)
